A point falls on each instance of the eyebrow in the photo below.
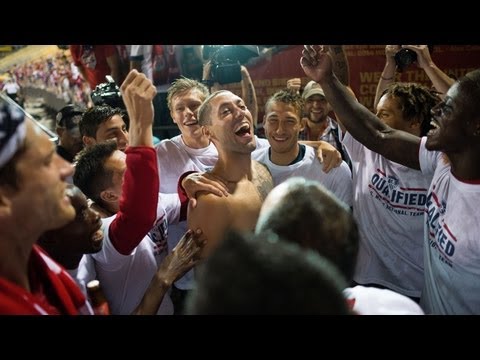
(226, 103)
(223, 104)
(115, 128)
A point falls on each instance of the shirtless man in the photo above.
(228, 124)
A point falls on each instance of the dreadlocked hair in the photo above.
(416, 101)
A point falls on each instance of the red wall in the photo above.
(366, 65)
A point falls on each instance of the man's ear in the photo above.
(415, 124)
(88, 140)
(171, 115)
(108, 196)
(303, 123)
(206, 131)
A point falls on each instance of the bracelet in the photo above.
(390, 78)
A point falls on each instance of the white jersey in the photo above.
(366, 300)
(125, 278)
(452, 240)
(338, 180)
(174, 158)
(84, 273)
(389, 204)
(261, 143)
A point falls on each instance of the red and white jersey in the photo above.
(125, 278)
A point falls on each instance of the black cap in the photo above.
(69, 116)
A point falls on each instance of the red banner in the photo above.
(366, 62)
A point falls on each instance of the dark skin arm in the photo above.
(364, 126)
(340, 63)
(183, 258)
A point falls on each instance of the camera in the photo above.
(108, 94)
(226, 61)
(405, 57)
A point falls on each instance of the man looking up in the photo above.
(228, 124)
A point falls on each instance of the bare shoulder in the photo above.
(208, 206)
(262, 179)
(208, 199)
(212, 216)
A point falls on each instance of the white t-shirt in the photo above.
(389, 204)
(338, 180)
(11, 88)
(125, 278)
(452, 240)
(84, 273)
(174, 158)
(367, 300)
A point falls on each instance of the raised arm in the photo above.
(340, 63)
(439, 79)
(138, 93)
(113, 61)
(388, 73)
(249, 95)
(364, 126)
(138, 205)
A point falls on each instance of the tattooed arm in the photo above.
(263, 180)
(340, 63)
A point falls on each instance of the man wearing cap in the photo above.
(32, 200)
(70, 140)
(319, 126)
